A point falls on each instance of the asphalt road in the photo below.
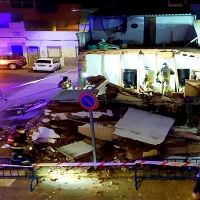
(11, 79)
(14, 77)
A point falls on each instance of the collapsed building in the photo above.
(128, 125)
(129, 67)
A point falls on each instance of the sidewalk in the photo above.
(112, 189)
(36, 90)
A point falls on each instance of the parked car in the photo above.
(46, 64)
(12, 61)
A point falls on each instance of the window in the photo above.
(54, 51)
(44, 61)
(22, 3)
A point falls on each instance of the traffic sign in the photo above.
(88, 101)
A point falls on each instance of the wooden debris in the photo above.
(188, 149)
(151, 153)
(101, 132)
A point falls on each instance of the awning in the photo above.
(144, 126)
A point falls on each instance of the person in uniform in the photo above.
(18, 141)
(196, 189)
(66, 83)
(163, 77)
(149, 78)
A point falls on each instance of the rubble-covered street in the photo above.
(127, 126)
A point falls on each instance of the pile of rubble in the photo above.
(128, 126)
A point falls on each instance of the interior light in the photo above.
(84, 74)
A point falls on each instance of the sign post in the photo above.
(89, 102)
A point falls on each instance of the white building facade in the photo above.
(14, 39)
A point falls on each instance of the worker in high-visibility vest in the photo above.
(163, 77)
(149, 78)
(65, 83)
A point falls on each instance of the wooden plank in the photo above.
(191, 148)
(187, 135)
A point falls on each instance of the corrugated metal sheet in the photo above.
(144, 126)
(70, 95)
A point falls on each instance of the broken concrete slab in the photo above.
(44, 133)
(46, 140)
(143, 126)
(134, 154)
(62, 116)
(37, 106)
(191, 148)
(101, 132)
(75, 150)
(96, 114)
(192, 88)
(126, 99)
(153, 152)
(29, 115)
(187, 135)
(184, 129)
(45, 120)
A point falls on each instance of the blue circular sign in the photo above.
(88, 101)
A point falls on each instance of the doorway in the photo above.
(17, 49)
(33, 54)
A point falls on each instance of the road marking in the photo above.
(36, 81)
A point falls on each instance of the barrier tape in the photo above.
(22, 166)
(166, 163)
(82, 164)
(99, 164)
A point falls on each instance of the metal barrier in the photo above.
(7, 170)
(168, 169)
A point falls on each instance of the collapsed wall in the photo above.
(128, 67)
